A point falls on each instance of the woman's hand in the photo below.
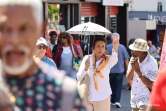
(87, 64)
(115, 44)
(75, 56)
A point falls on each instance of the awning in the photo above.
(91, 1)
(113, 2)
(61, 1)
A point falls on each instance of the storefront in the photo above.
(153, 16)
(118, 18)
(142, 15)
(60, 15)
(94, 11)
(88, 12)
(112, 12)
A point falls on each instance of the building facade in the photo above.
(112, 14)
(141, 11)
(156, 10)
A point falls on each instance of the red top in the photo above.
(77, 42)
(158, 95)
(48, 53)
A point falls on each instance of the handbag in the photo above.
(76, 61)
(83, 88)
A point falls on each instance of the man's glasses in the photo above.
(42, 47)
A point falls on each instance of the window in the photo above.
(87, 19)
(113, 24)
(160, 7)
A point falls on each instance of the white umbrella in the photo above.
(89, 28)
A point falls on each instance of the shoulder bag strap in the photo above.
(72, 47)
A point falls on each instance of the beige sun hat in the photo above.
(139, 45)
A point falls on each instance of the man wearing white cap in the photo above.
(142, 71)
(41, 50)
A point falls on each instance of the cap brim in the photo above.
(136, 49)
(41, 43)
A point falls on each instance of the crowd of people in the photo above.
(38, 75)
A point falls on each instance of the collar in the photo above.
(145, 60)
(50, 42)
(44, 58)
(61, 45)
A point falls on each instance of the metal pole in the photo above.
(89, 44)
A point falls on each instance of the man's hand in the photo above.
(130, 70)
(132, 60)
(136, 67)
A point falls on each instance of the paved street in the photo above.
(125, 99)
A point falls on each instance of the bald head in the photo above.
(36, 6)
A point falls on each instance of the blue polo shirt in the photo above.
(49, 61)
(122, 56)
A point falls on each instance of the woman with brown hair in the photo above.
(97, 66)
(65, 53)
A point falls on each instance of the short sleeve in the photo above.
(152, 72)
(109, 49)
(126, 55)
(52, 63)
(154, 48)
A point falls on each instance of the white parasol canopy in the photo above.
(89, 28)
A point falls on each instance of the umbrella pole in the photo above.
(89, 45)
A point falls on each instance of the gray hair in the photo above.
(36, 5)
(115, 34)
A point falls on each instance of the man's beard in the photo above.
(16, 70)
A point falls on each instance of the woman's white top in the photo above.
(66, 50)
(103, 84)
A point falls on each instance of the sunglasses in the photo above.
(42, 47)
(63, 37)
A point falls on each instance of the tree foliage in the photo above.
(53, 11)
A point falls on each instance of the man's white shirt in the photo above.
(139, 92)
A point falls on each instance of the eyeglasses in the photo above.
(42, 47)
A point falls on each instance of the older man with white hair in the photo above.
(32, 86)
(117, 72)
